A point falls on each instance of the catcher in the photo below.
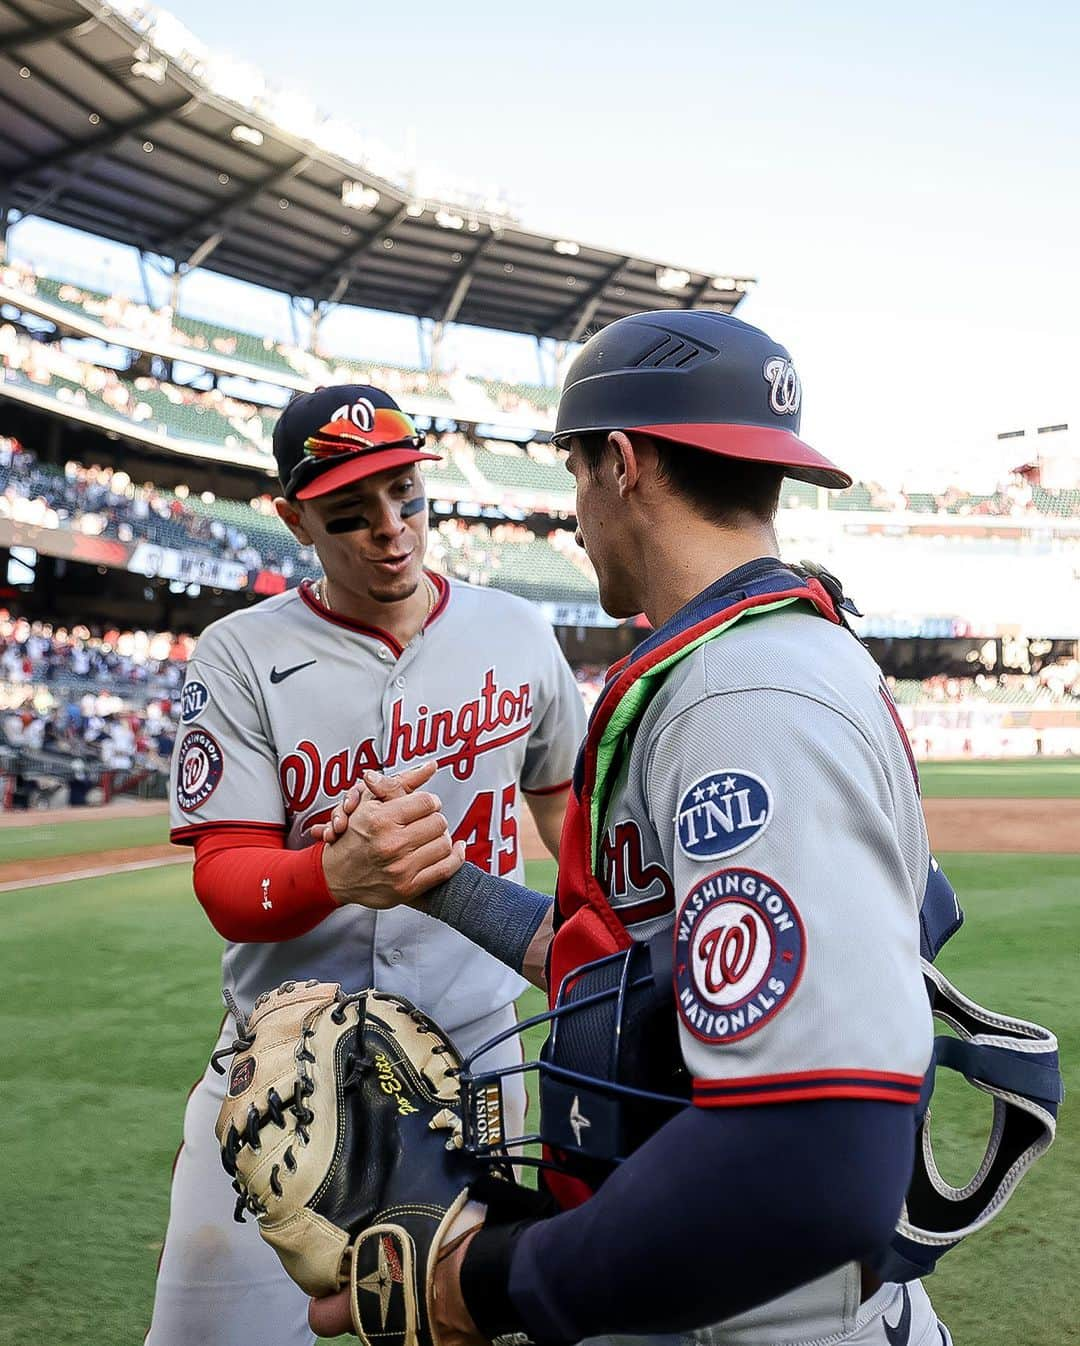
(734, 1089)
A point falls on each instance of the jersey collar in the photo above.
(442, 600)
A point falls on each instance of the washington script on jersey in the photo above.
(455, 737)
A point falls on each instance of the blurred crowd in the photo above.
(161, 326)
(141, 399)
(81, 712)
(1056, 682)
(471, 551)
(105, 502)
(38, 654)
(1014, 498)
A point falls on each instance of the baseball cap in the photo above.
(334, 436)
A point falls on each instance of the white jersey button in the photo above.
(394, 956)
(384, 653)
(399, 682)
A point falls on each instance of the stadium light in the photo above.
(246, 135)
(725, 283)
(415, 209)
(358, 197)
(670, 278)
(143, 67)
(446, 219)
(565, 248)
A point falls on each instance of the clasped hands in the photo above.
(388, 843)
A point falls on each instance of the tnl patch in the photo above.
(199, 768)
(194, 699)
(739, 953)
(721, 813)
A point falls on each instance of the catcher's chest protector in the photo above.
(1014, 1061)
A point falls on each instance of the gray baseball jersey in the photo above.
(284, 706)
(769, 806)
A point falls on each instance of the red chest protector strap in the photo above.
(587, 927)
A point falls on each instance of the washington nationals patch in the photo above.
(721, 813)
(739, 953)
(199, 767)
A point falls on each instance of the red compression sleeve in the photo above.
(254, 890)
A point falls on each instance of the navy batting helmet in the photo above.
(698, 378)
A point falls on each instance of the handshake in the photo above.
(387, 843)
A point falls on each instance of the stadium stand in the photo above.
(521, 471)
(135, 321)
(1055, 685)
(84, 717)
(511, 557)
(102, 502)
(211, 418)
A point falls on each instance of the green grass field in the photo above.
(122, 975)
(43, 839)
(1021, 778)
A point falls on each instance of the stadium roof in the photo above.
(105, 130)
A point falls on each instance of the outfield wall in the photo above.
(982, 729)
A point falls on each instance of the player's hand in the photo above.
(339, 818)
(330, 1317)
(376, 786)
(451, 1322)
(392, 849)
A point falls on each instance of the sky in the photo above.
(904, 182)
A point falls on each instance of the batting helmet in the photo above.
(698, 378)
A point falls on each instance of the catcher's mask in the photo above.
(609, 1074)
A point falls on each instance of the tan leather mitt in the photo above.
(341, 1131)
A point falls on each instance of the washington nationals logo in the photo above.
(785, 391)
(739, 952)
(199, 767)
(727, 953)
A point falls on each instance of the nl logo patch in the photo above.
(193, 700)
(721, 813)
(739, 953)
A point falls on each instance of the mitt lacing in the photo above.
(441, 1048)
(276, 1106)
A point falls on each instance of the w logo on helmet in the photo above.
(785, 392)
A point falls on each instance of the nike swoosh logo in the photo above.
(901, 1333)
(276, 677)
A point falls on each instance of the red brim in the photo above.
(356, 469)
(756, 444)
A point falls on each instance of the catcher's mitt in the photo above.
(341, 1133)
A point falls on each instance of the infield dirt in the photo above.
(1020, 826)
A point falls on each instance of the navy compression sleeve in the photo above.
(499, 915)
(718, 1212)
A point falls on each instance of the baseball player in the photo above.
(285, 705)
(746, 792)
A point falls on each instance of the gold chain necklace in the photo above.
(323, 601)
